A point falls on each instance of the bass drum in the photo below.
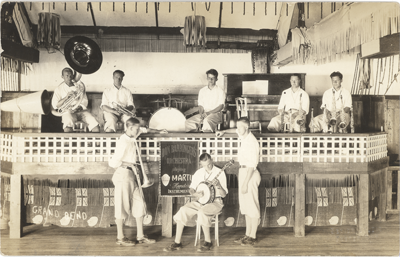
(168, 118)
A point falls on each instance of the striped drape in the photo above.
(14, 74)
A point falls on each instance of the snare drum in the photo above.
(168, 118)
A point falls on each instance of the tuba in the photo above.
(74, 100)
(85, 57)
(123, 110)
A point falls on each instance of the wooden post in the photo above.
(382, 198)
(300, 206)
(389, 185)
(166, 217)
(362, 208)
(398, 189)
(15, 206)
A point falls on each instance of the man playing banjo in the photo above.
(186, 214)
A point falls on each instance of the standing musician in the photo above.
(206, 212)
(128, 198)
(116, 94)
(294, 100)
(249, 180)
(211, 102)
(64, 92)
(336, 104)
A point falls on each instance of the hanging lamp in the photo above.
(194, 33)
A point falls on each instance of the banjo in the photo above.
(208, 188)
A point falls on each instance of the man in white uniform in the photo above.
(211, 102)
(128, 198)
(336, 104)
(296, 101)
(116, 94)
(205, 213)
(62, 93)
(249, 180)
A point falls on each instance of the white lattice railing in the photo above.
(285, 148)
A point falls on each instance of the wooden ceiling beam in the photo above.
(82, 30)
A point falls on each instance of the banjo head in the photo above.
(170, 119)
(208, 192)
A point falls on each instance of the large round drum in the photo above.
(168, 118)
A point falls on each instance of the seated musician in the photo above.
(113, 96)
(211, 102)
(128, 199)
(294, 101)
(65, 92)
(336, 104)
(205, 213)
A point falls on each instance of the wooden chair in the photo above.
(215, 221)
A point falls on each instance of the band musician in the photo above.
(186, 214)
(294, 101)
(66, 92)
(211, 101)
(128, 197)
(114, 100)
(336, 104)
(249, 179)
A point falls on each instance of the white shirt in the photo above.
(201, 175)
(343, 98)
(125, 150)
(121, 96)
(249, 151)
(290, 100)
(211, 99)
(62, 91)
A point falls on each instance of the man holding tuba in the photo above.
(293, 108)
(336, 104)
(70, 100)
(117, 101)
(128, 197)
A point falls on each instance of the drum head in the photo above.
(170, 119)
(206, 193)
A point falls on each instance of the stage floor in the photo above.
(383, 239)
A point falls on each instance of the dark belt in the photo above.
(243, 166)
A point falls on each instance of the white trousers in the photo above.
(210, 123)
(110, 120)
(127, 198)
(69, 119)
(249, 202)
(204, 213)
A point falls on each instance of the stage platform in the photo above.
(307, 179)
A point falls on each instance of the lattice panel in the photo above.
(280, 149)
(350, 148)
(376, 147)
(289, 148)
(6, 147)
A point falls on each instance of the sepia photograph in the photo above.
(200, 128)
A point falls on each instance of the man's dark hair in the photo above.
(337, 74)
(213, 72)
(204, 157)
(131, 122)
(120, 72)
(66, 69)
(244, 120)
(296, 75)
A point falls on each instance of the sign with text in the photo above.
(179, 161)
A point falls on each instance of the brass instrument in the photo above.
(300, 119)
(123, 110)
(290, 121)
(342, 125)
(312, 121)
(73, 100)
(283, 119)
(351, 119)
(332, 120)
